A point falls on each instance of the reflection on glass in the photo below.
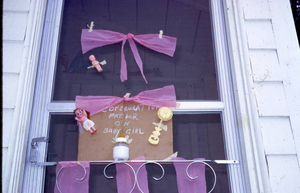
(191, 70)
(195, 136)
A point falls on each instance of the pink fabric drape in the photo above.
(99, 38)
(126, 178)
(72, 178)
(162, 97)
(184, 183)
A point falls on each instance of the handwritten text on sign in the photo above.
(124, 116)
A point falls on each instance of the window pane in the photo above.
(191, 70)
(195, 136)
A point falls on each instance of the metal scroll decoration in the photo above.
(136, 183)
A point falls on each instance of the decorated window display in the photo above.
(127, 75)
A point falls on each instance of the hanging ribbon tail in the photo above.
(137, 57)
(184, 183)
(98, 38)
(165, 45)
(162, 97)
(125, 177)
(72, 176)
(123, 69)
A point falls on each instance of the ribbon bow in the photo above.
(99, 38)
(162, 97)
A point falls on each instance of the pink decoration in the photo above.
(99, 38)
(72, 177)
(184, 183)
(162, 97)
(82, 118)
(126, 178)
(95, 63)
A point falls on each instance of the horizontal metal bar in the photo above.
(190, 106)
(143, 161)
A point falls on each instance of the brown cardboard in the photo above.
(136, 120)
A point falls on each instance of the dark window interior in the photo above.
(191, 70)
(195, 136)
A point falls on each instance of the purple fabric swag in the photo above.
(71, 177)
(99, 38)
(184, 183)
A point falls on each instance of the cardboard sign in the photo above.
(136, 120)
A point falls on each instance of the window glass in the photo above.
(191, 70)
(195, 136)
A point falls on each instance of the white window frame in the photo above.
(42, 107)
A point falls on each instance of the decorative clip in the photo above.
(91, 26)
(127, 94)
(160, 34)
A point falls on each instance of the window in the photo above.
(204, 124)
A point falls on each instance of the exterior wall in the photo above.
(271, 56)
(15, 19)
(273, 61)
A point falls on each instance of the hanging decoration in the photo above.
(127, 180)
(164, 114)
(96, 63)
(72, 176)
(161, 97)
(132, 115)
(99, 38)
(83, 119)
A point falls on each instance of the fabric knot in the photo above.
(129, 36)
(127, 99)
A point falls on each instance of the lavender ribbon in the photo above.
(126, 178)
(72, 177)
(99, 38)
(162, 97)
(184, 183)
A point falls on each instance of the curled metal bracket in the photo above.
(150, 162)
(56, 182)
(111, 177)
(193, 178)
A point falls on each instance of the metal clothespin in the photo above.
(91, 26)
(160, 34)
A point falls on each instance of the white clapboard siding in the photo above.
(15, 18)
(265, 65)
(277, 135)
(284, 173)
(256, 9)
(273, 58)
(260, 34)
(6, 125)
(289, 59)
(14, 24)
(10, 87)
(16, 5)
(12, 56)
(271, 99)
